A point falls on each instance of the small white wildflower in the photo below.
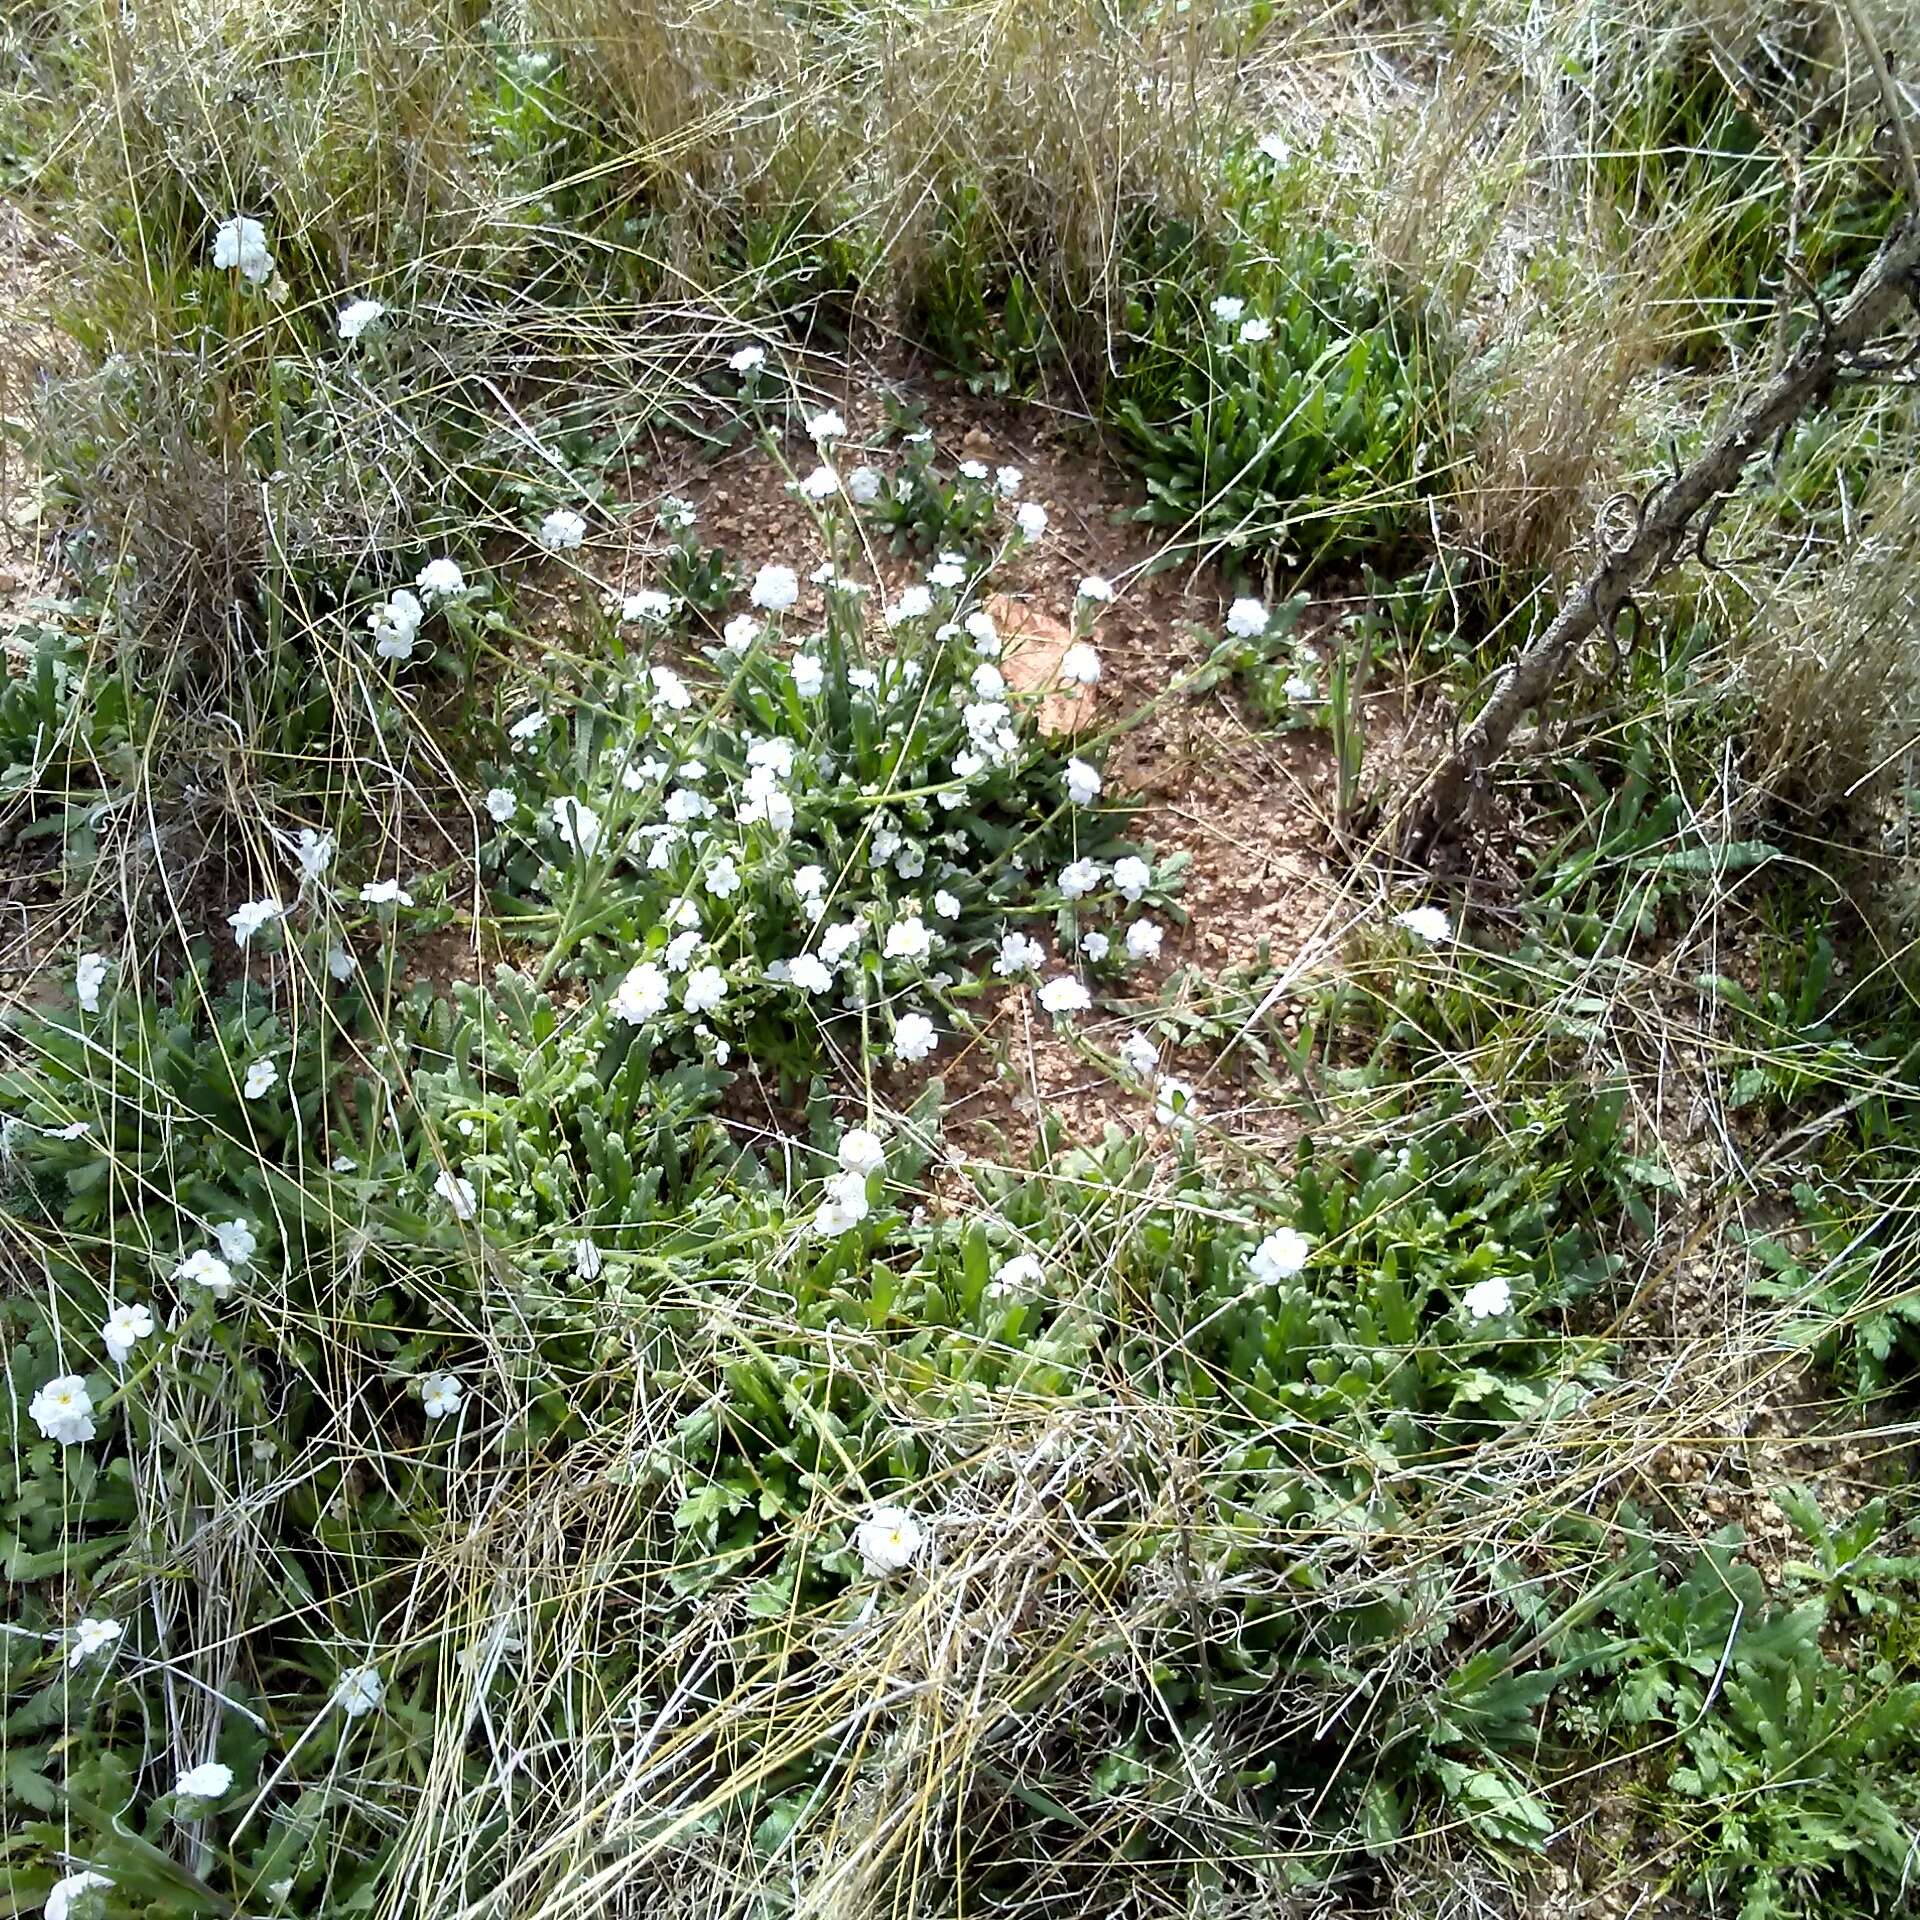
(1252, 332)
(1226, 309)
(440, 580)
(356, 317)
(1093, 587)
(775, 589)
(208, 1781)
(1019, 953)
(242, 243)
(1273, 146)
(1079, 878)
(915, 603)
(844, 1207)
(1065, 995)
(1080, 665)
(125, 1326)
(1487, 1299)
(1280, 1256)
(1247, 618)
(908, 940)
(705, 988)
(1008, 480)
(1143, 940)
(89, 976)
(1139, 1055)
(261, 1075)
(440, 1395)
(740, 633)
(385, 893)
(587, 1260)
(641, 996)
(973, 469)
(860, 1151)
(359, 1691)
(562, 530)
(341, 963)
(821, 484)
(987, 681)
(314, 852)
(90, 1636)
(748, 359)
(826, 425)
(914, 1038)
(1083, 783)
(527, 728)
(203, 1269)
(458, 1193)
(1022, 1274)
(73, 1889)
(810, 973)
(888, 1541)
(946, 905)
(237, 1239)
(648, 605)
(63, 1410)
(1132, 876)
(250, 916)
(809, 677)
(577, 823)
(501, 804)
(1096, 946)
(1425, 923)
(863, 486)
(1173, 1101)
(1031, 518)
(947, 574)
(722, 878)
(1299, 689)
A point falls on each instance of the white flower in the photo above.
(810, 973)
(860, 1151)
(88, 978)
(1273, 147)
(1031, 518)
(981, 631)
(314, 852)
(1226, 309)
(386, 893)
(62, 1895)
(501, 804)
(1298, 688)
(440, 1395)
(888, 1541)
(1139, 1054)
(740, 633)
(973, 469)
(641, 996)
(1247, 619)
(341, 963)
(203, 1269)
(587, 1260)
(250, 916)
(63, 1410)
(775, 589)
(915, 603)
(821, 482)
(808, 676)
(946, 905)
(124, 1327)
(914, 1038)
(577, 823)
(826, 425)
(208, 1781)
(987, 681)
(748, 360)
(91, 1636)
(359, 1690)
(1143, 940)
(1083, 783)
(705, 988)
(261, 1075)
(1019, 953)
(396, 625)
(237, 1241)
(440, 580)
(648, 604)
(810, 881)
(908, 940)
(1254, 331)
(844, 1207)
(863, 485)
(562, 530)
(1080, 665)
(1096, 946)
(1132, 876)
(357, 316)
(242, 243)
(527, 728)
(457, 1193)
(1173, 1101)
(1021, 1274)
(1280, 1256)
(1079, 878)
(1008, 480)
(1425, 923)
(1065, 995)
(1093, 587)
(1487, 1299)
(947, 574)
